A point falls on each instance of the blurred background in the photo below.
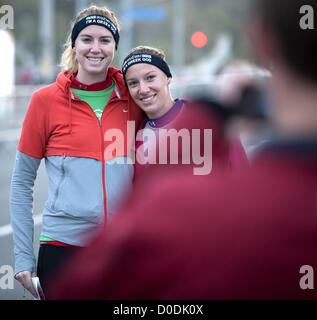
(199, 38)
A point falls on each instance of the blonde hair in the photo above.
(146, 49)
(68, 61)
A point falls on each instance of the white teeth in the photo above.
(147, 99)
(95, 59)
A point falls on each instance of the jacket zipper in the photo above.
(103, 169)
(102, 159)
(103, 162)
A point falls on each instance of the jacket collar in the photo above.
(63, 81)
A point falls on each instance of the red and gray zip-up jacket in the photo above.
(87, 162)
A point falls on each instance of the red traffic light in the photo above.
(199, 39)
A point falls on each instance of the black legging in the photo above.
(51, 260)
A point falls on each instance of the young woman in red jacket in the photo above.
(66, 123)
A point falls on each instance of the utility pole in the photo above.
(47, 39)
(126, 34)
(178, 33)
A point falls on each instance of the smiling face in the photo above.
(94, 49)
(149, 88)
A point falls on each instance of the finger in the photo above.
(25, 279)
(22, 277)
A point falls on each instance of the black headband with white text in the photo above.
(97, 20)
(145, 58)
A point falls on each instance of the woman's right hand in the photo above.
(25, 278)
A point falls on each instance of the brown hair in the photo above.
(146, 49)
